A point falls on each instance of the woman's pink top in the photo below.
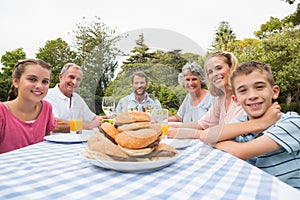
(15, 133)
(218, 115)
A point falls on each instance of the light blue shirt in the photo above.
(190, 113)
(129, 102)
(283, 163)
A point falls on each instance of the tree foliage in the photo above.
(57, 53)
(224, 37)
(276, 25)
(162, 69)
(9, 59)
(95, 43)
(281, 51)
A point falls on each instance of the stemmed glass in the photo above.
(108, 105)
(151, 105)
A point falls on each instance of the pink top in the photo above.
(217, 114)
(15, 133)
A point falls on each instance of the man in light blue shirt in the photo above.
(139, 98)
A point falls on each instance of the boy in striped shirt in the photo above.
(275, 150)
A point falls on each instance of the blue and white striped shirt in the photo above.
(283, 163)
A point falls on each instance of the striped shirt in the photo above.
(283, 163)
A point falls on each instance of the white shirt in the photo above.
(61, 105)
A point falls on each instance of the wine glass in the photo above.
(108, 105)
(150, 106)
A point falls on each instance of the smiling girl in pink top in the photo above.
(25, 118)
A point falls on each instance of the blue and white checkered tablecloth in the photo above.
(57, 171)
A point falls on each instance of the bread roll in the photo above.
(109, 129)
(130, 117)
(133, 126)
(137, 139)
(100, 143)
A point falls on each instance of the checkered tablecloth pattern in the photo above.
(57, 171)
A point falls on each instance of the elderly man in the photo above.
(63, 98)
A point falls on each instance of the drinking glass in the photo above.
(160, 116)
(76, 120)
(108, 105)
(150, 106)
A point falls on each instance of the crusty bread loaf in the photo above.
(133, 126)
(137, 139)
(163, 151)
(109, 129)
(133, 116)
(100, 143)
(138, 145)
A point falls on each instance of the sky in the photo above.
(182, 23)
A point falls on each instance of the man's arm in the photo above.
(96, 122)
(247, 150)
(63, 126)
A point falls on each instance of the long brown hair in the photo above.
(19, 69)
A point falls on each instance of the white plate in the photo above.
(178, 143)
(133, 166)
(70, 138)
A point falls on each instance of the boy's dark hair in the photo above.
(248, 67)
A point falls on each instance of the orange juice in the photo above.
(164, 129)
(75, 125)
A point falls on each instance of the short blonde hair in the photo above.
(230, 60)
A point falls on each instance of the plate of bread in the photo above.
(131, 144)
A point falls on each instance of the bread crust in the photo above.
(133, 126)
(100, 143)
(109, 129)
(137, 139)
(133, 116)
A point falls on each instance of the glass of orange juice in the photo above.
(160, 116)
(76, 121)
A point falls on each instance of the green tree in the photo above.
(96, 46)
(162, 69)
(9, 59)
(276, 25)
(57, 53)
(246, 49)
(281, 51)
(139, 54)
(224, 37)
